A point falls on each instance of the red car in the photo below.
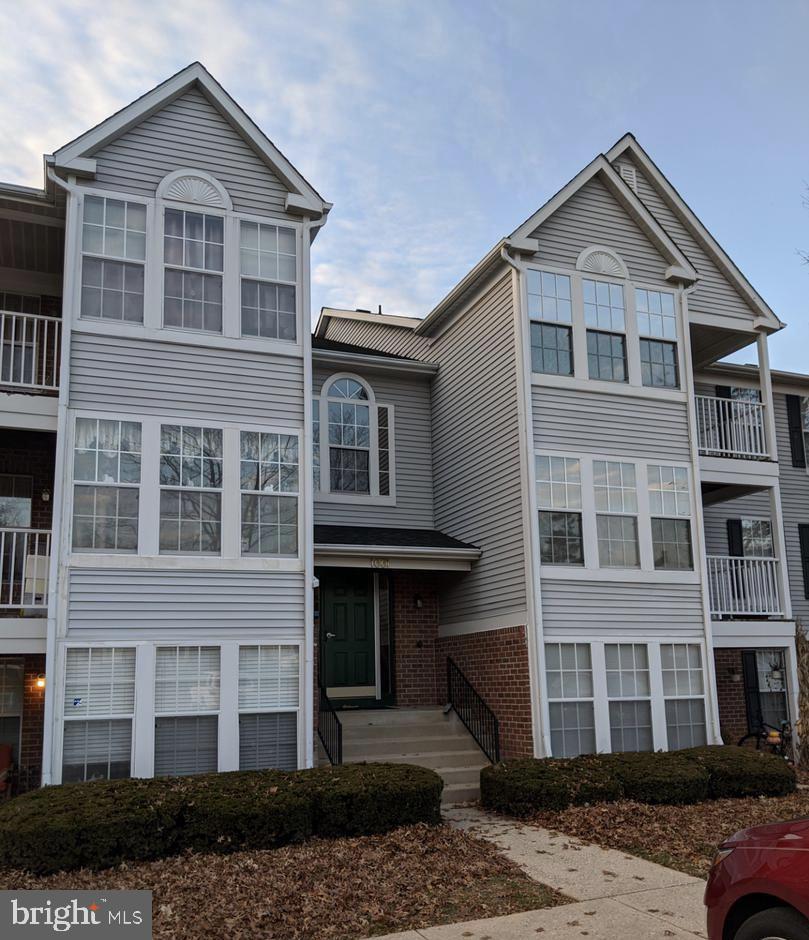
(758, 888)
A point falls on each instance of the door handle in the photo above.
(330, 636)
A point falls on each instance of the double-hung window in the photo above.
(268, 277)
(349, 416)
(270, 482)
(605, 319)
(106, 490)
(99, 705)
(616, 503)
(569, 673)
(190, 489)
(269, 698)
(551, 315)
(629, 694)
(684, 693)
(187, 682)
(757, 539)
(193, 255)
(657, 328)
(560, 510)
(670, 510)
(113, 244)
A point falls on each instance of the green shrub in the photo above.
(666, 777)
(742, 771)
(521, 787)
(103, 823)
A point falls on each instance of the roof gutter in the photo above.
(400, 551)
(370, 361)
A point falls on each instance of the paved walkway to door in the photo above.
(618, 896)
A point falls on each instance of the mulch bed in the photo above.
(681, 837)
(325, 889)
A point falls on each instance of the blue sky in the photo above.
(435, 128)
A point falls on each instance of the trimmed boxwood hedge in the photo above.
(99, 824)
(524, 786)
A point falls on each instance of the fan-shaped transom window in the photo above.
(353, 440)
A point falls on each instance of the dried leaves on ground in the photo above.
(325, 889)
(682, 837)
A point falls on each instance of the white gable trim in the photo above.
(678, 205)
(74, 155)
(680, 267)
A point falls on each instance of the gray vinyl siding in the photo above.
(715, 518)
(189, 133)
(102, 601)
(410, 400)
(593, 216)
(714, 294)
(140, 376)
(396, 340)
(476, 457)
(601, 608)
(614, 425)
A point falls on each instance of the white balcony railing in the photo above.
(729, 427)
(29, 351)
(24, 561)
(743, 587)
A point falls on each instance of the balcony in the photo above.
(730, 427)
(743, 587)
(24, 562)
(30, 345)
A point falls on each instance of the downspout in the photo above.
(536, 649)
(57, 593)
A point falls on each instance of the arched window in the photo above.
(352, 440)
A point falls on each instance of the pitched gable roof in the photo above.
(629, 145)
(77, 155)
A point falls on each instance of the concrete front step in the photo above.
(358, 748)
(434, 760)
(388, 717)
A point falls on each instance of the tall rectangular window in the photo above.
(629, 694)
(113, 259)
(99, 705)
(757, 539)
(657, 328)
(349, 447)
(569, 674)
(270, 483)
(605, 319)
(190, 489)
(550, 312)
(670, 508)
(269, 698)
(684, 693)
(106, 490)
(316, 443)
(187, 683)
(560, 516)
(193, 254)
(616, 504)
(12, 689)
(268, 279)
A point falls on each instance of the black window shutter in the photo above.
(723, 391)
(795, 424)
(752, 700)
(735, 541)
(803, 535)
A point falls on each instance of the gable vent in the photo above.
(194, 189)
(628, 174)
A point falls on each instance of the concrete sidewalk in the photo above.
(620, 897)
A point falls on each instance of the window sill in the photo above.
(617, 575)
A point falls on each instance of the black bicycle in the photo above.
(768, 738)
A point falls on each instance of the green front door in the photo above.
(347, 634)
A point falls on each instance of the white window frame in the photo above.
(323, 491)
(657, 697)
(148, 553)
(152, 326)
(686, 696)
(676, 516)
(143, 718)
(759, 520)
(568, 700)
(580, 378)
(591, 570)
(263, 279)
(280, 494)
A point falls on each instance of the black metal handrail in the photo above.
(480, 721)
(329, 729)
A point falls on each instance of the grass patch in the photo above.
(323, 889)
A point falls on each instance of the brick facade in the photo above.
(415, 635)
(496, 663)
(730, 694)
(33, 714)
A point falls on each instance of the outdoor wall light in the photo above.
(418, 601)
(735, 674)
(46, 495)
(40, 681)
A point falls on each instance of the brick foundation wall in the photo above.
(415, 633)
(730, 694)
(496, 663)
